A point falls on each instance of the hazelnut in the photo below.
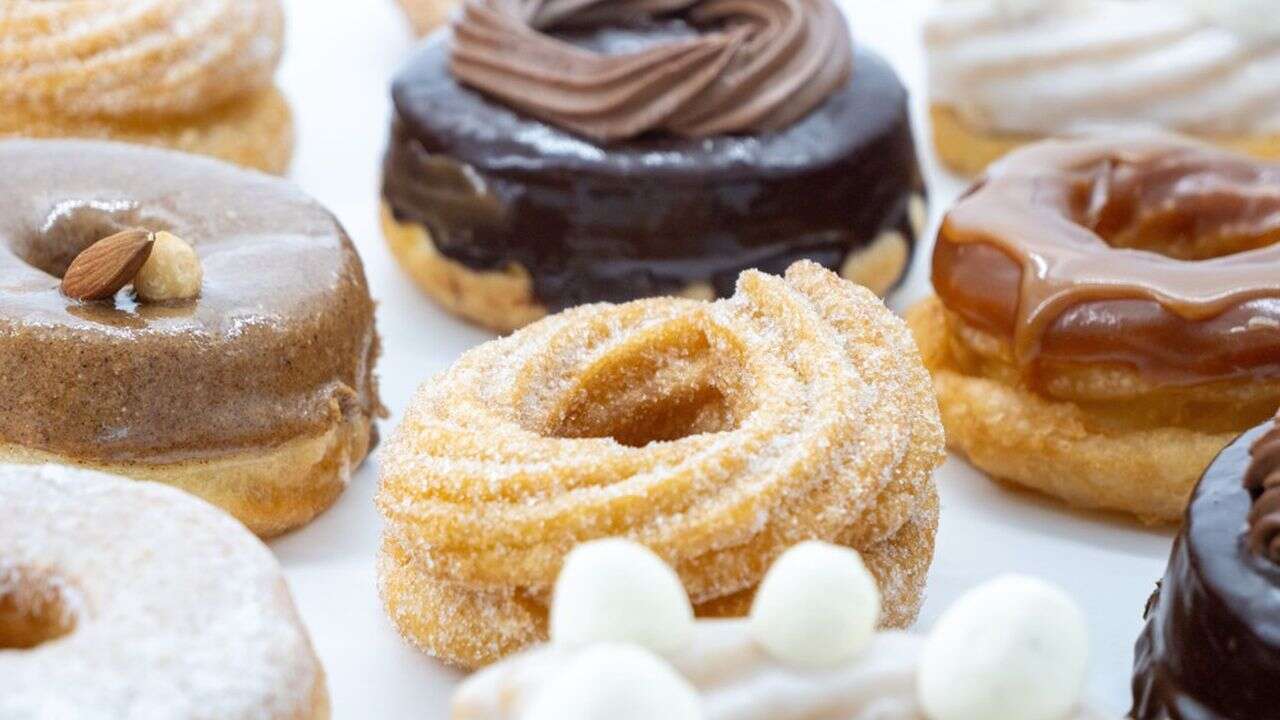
(172, 272)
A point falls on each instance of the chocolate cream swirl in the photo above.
(1263, 482)
(755, 65)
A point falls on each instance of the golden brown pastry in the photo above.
(717, 434)
(194, 75)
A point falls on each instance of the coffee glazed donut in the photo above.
(718, 434)
(194, 75)
(1210, 649)
(258, 395)
(1107, 317)
(124, 600)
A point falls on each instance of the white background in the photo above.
(341, 55)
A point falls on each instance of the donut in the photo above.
(124, 599)
(779, 665)
(257, 395)
(1106, 317)
(507, 197)
(1209, 647)
(1006, 74)
(193, 75)
(717, 434)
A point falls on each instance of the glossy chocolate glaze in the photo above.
(653, 215)
(1211, 646)
(1155, 253)
(280, 343)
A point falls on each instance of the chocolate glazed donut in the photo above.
(258, 395)
(495, 177)
(1211, 646)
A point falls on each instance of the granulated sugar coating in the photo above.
(718, 434)
(194, 75)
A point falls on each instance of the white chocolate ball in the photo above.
(619, 591)
(615, 682)
(172, 272)
(816, 607)
(1015, 648)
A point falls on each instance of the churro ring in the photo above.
(718, 434)
(1106, 318)
(193, 75)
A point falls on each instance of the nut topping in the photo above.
(103, 268)
(172, 272)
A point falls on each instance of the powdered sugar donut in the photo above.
(123, 599)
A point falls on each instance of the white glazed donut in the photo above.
(123, 599)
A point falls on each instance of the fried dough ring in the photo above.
(718, 434)
(192, 75)
(1133, 448)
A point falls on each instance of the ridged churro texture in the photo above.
(718, 434)
(194, 75)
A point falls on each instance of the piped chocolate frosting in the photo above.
(751, 65)
(1211, 646)
(1263, 481)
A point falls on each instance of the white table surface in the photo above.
(341, 55)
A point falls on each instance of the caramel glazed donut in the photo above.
(258, 396)
(717, 434)
(1107, 317)
(124, 600)
(194, 75)
(538, 160)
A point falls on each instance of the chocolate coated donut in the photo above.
(652, 215)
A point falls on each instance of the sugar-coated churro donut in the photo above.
(195, 75)
(122, 600)
(718, 434)
(255, 390)
(1106, 317)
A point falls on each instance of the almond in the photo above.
(104, 267)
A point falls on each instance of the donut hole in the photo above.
(35, 608)
(1185, 209)
(73, 225)
(663, 393)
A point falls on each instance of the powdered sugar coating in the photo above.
(179, 612)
